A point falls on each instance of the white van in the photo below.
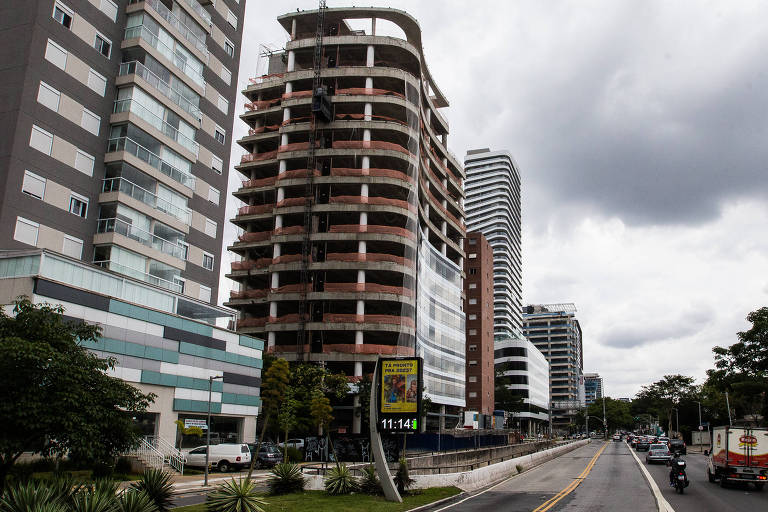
(224, 456)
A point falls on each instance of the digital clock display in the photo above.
(406, 424)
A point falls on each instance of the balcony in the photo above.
(121, 227)
(138, 274)
(134, 148)
(137, 68)
(176, 23)
(131, 105)
(144, 33)
(195, 5)
(145, 196)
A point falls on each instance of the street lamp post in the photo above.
(699, 411)
(605, 423)
(677, 421)
(208, 429)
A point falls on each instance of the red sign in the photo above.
(342, 430)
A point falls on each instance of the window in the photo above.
(229, 47)
(207, 261)
(226, 75)
(473, 317)
(205, 293)
(48, 96)
(472, 348)
(472, 378)
(473, 301)
(90, 121)
(472, 394)
(72, 247)
(473, 241)
(213, 195)
(223, 104)
(103, 45)
(220, 135)
(472, 271)
(473, 363)
(97, 82)
(84, 162)
(109, 8)
(180, 282)
(56, 55)
(231, 19)
(33, 185)
(473, 332)
(210, 228)
(41, 140)
(472, 255)
(78, 205)
(62, 14)
(26, 231)
(472, 286)
(217, 164)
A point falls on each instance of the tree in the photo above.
(273, 388)
(617, 414)
(56, 396)
(322, 415)
(286, 417)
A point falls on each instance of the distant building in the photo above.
(478, 290)
(625, 399)
(593, 386)
(526, 371)
(555, 331)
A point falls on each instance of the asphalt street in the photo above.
(701, 495)
(614, 482)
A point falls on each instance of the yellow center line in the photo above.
(570, 487)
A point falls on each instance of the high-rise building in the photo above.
(494, 209)
(593, 387)
(478, 306)
(115, 134)
(353, 224)
(555, 331)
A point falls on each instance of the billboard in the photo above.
(400, 386)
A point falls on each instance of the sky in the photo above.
(640, 132)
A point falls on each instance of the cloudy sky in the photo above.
(640, 130)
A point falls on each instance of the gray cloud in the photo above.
(634, 333)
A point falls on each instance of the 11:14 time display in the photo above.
(399, 424)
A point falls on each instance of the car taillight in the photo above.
(237, 459)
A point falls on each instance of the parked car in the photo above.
(297, 443)
(658, 452)
(269, 455)
(224, 457)
(642, 445)
(617, 437)
(678, 445)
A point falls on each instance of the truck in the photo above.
(739, 454)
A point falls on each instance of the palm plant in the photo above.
(93, 500)
(402, 479)
(132, 500)
(286, 478)
(236, 496)
(369, 482)
(340, 481)
(29, 497)
(157, 484)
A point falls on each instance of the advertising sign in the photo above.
(400, 389)
(188, 422)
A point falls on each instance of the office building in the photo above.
(352, 223)
(478, 307)
(593, 387)
(115, 134)
(555, 331)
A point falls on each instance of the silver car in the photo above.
(658, 452)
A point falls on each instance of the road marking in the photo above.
(662, 503)
(573, 485)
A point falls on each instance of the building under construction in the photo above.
(353, 219)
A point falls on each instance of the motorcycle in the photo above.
(678, 478)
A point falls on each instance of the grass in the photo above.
(319, 501)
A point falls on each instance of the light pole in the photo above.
(605, 423)
(677, 422)
(208, 427)
(699, 411)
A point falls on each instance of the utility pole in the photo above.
(728, 405)
(605, 423)
(208, 428)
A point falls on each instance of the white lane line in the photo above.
(663, 504)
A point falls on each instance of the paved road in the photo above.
(703, 496)
(614, 482)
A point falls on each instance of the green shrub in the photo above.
(157, 484)
(294, 455)
(402, 479)
(286, 478)
(102, 470)
(340, 481)
(369, 482)
(93, 499)
(30, 497)
(235, 496)
(123, 466)
(132, 500)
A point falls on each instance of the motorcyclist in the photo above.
(674, 469)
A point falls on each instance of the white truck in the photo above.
(739, 454)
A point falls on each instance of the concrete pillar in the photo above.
(444, 138)
(288, 87)
(443, 248)
(364, 190)
(367, 135)
(249, 428)
(360, 307)
(368, 112)
(361, 276)
(369, 82)
(270, 339)
(280, 191)
(275, 284)
(283, 139)
(286, 113)
(291, 66)
(283, 166)
(363, 218)
(273, 308)
(369, 62)
(356, 413)
(442, 417)
(293, 29)
(373, 26)
(444, 228)
(366, 164)
(278, 224)
(362, 247)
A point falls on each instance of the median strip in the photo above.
(662, 503)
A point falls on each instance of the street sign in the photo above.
(399, 398)
(195, 423)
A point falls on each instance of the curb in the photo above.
(661, 502)
(442, 501)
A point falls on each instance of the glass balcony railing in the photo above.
(147, 197)
(142, 153)
(171, 18)
(119, 226)
(135, 67)
(195, 5)
(138, 274)
(131, 105)
(179, 61)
